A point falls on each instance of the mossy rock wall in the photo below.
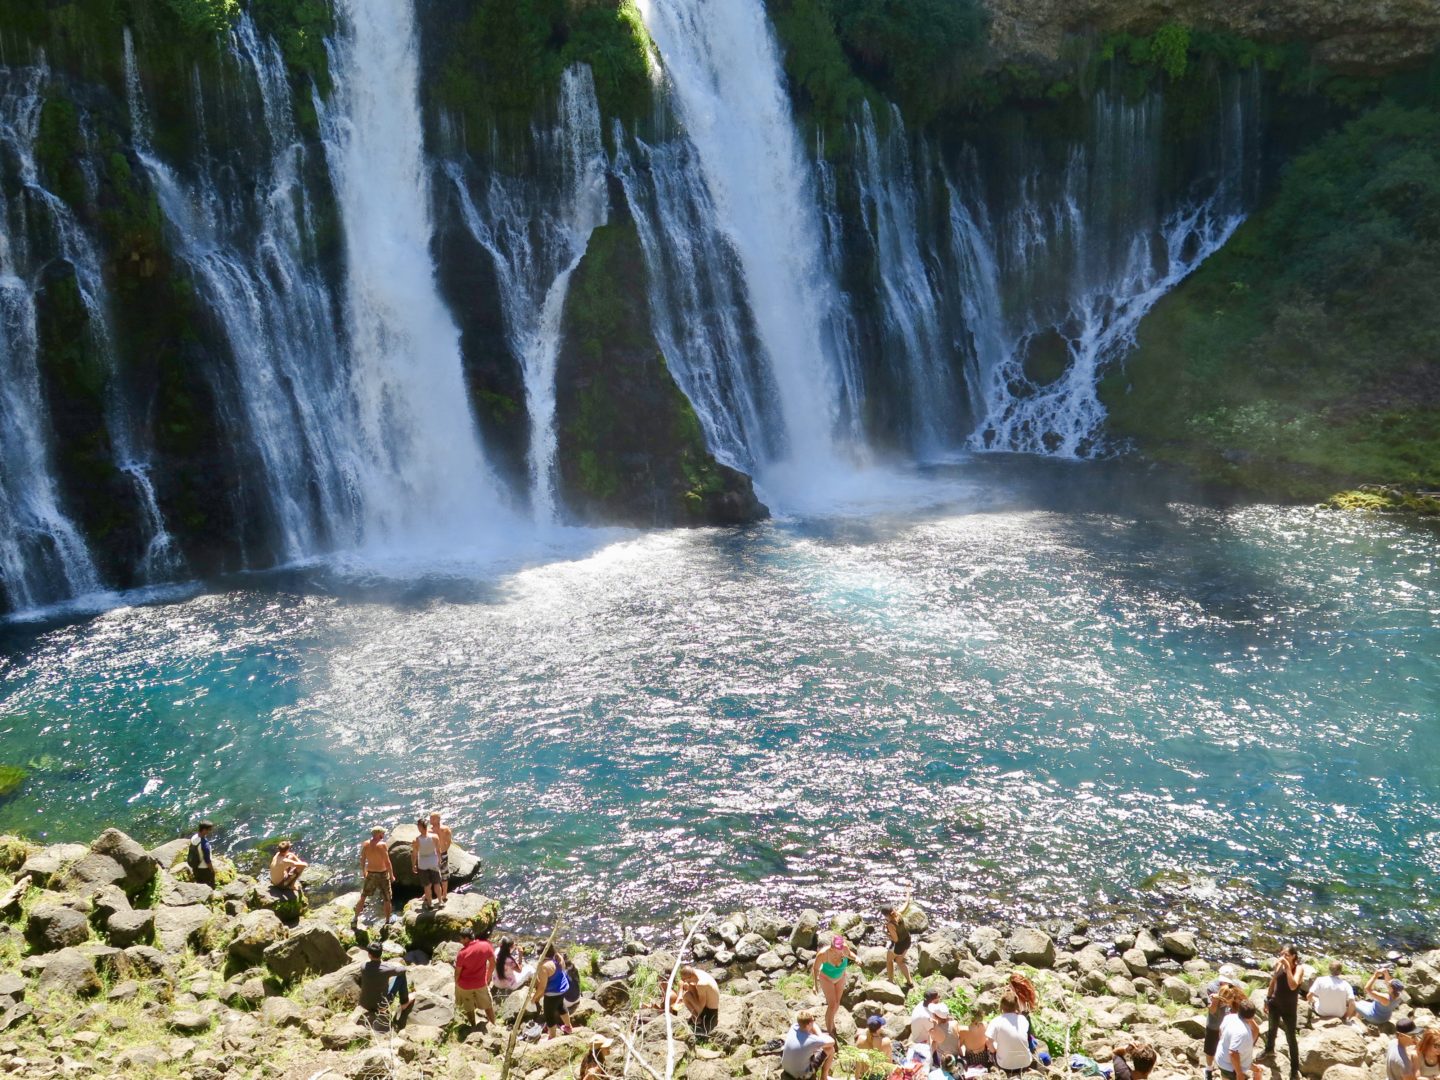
(631, 449)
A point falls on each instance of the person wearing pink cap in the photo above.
(830, 971)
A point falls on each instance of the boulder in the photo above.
(106, 902)
(176, 928)
(549, 1056)
(984, 942)
(130, 927)
(878, 990)
(1135, 962)
(49, 861)
(176, 893)
(428, 928)
(170, 853)
(749, 948)
(432, 1009)
(342, 987)
(281, 1012)
(730, 930)
(1180, 944)
(310, 949)
(256, 932)
(916, 921)
(53, 925)
(1177, 990)
(139, 865)
(872, 957)
(1346, 1072)
(1120, 986)
(70, 971)
(766, 923)
(767, 1016)
(1329, 1046)
(191, 1021)
(464, 866)
(373, 1063)
(769, 961)
(1192, 1027)
(401, 839)
(803, 934)
(938, 955)
(1031, 946)
(849, 924)
(1423, 984)
(1090, 959)
(145, 961)
(613, 995)
(88, 874)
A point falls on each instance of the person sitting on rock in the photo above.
(474, 967)
(1141, 1060)
(920, 1019)
(806, 1052)
(1331, 996)
(700, 994)
(1236, 1052)
(551, 985)
(286, 867)
(897, 936)
(975, 1044)
(874, 1041)
(382, 984)
(511, 971)
(199, 857)
(1382, 994)
(376, 874)
(592, 1065)
(1009, 1035)
(944, 1035)
(1401, 1061)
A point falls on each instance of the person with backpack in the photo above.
(200, 857)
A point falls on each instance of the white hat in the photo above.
(1229, 973)
(940, 1011)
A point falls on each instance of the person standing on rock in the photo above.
(1217, 1009)
(551, 986)
(806, 1053)
(700, 994)
(1283, 1002)
(377, 875)
(1331, 996)
(1009, 1035)
(443, 837)
(199, 857)
(474, 968)
(425, 857)
(830, 971)
(1236, 1051)
(898, 941)
(1401, 1062)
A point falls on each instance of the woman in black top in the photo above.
(899, 941)
(1283, 1000)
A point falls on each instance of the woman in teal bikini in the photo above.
(830, 972)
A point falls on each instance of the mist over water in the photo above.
(1029, 690)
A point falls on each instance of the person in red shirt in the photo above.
(474, 968)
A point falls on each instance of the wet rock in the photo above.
(70, 971)
(1180, 944)
(1031, 946)
(53, 925)
(256, 932)
(310, 949)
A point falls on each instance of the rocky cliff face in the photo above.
(1345, 34)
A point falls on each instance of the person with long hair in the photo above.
(1427, 1054)
(552, 984)
(897, 944)
(1009, 1035)
(830, 971)
(1283, 1002)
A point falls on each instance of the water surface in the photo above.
(1035, 690)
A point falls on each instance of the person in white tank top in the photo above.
(426, 850)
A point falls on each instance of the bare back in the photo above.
(375, 857)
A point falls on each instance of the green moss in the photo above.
(12, 778)
(300, 28)
(59, 146)
(14, 850)
(1386, 500)
(205, 17)
(1300, 360)
(612, 39)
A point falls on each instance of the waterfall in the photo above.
(912, 305)
(760, 197)
(246, 245)
(1091, 255)
(536, 229)
(424, 478)
(43, 557)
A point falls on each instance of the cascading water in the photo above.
(424, 480)
(246, 246)
(536, 228)
(1115, 249)
(724, 70)
(912, 305)
(43, 557)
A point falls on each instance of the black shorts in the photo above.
(429, 876)
(901, 947)
(1212, 1041)
(554, 1008)
(706, 1021)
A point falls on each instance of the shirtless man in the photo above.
(376, 872)
(700, 994)
(443, 836)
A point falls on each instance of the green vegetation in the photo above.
(509, 54)
(1300, 360)
(300, 28)
(205, 17)
(12, 777)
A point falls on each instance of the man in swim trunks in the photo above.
(700, 994)
(443, 836)
(376, 873)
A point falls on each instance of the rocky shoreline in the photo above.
(113, 964)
